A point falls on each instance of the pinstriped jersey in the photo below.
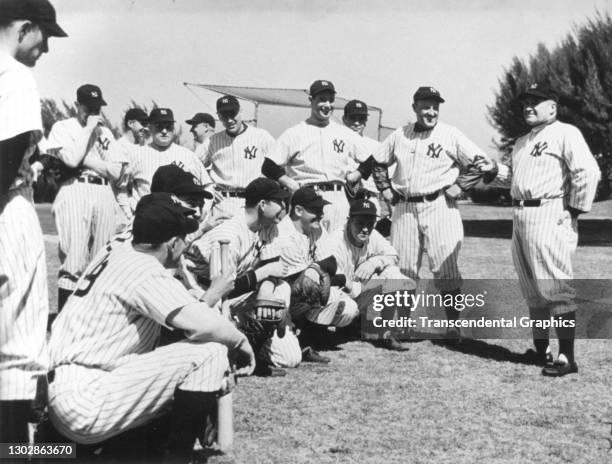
(234, 161)
(201, 149)
(117, 311)
(552, 161)
(297, 250)
(146, 160)
(19, 111)
(313, 154)
(426, 161)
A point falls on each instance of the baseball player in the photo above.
(367, 260)
(235, 156)
(427, 155)
(106, 376)
(202, 128)
(86, 210)
(301, 243)
(252, 261)
(135, 129)
(161, 151)
(553, 178)
(24, 31)
(318, 152)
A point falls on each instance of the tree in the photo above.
(53, 112)
(580, 70)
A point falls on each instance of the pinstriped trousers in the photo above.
(434, 226)
(90, 405)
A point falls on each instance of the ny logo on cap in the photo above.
(358, 105)
(225, 100)
(432, 90)
(163, 112)
(533, 86)
(366, 204)
(324, 83)
(94, 94)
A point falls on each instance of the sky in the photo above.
(377, 51)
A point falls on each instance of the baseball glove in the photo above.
(259, 323)
(307, 293)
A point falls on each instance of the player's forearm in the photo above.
(110, 171)
(288, 182)
(74, 154)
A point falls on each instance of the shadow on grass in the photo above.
(591, 232)
(485, 350)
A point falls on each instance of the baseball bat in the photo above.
(225, 405)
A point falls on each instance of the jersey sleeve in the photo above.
(63, 143)
(292, 254)
(381, 247)
(584, 171)
(465, 149)
(385, 153)
(19, 104)
(281, 150)
(159, 295)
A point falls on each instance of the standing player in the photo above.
(553, 179)
(106, 376)
(202, 128)
(427, 156)
(161, 151)
(367, 259)
(318, 152)
(235, 156)
(24, 31)
(85, 209)
(250, 246)
(135, 129)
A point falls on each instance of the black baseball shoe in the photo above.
(310, 355)
(265, 370)
(392, 344)
(531, 356)
(560, 368)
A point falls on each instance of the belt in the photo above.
(233, 193)
(422, 198)
(87, 178)
(328, 186)
(526, 202)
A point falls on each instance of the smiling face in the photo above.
(232, 121)
(427, 112)
(270, 212)
(537, 111)
(355, 122)
(322, 105)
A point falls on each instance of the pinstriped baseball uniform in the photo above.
(23, 271)
(245, 251)
(109, 376)
(553, 163)
(427, 162)
(146, 160)
(312, 154)
(201, 149)
(86, 213)
(234, 161)
(299, 251)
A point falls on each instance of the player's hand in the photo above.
(292, 185)
(219, 287)
(453, 192)
(365, 271)
(484, 164)
(273, 269)
(243, 358)
(217, 196)
(312, 275)
(353, 177)
(390, 196)
(213, 221)
(36, 167)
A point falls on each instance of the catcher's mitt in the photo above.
(306, 293)
(259, 323)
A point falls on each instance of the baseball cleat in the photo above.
(560, 368)
(531, 356)
(310, 355)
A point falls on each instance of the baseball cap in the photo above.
(159, 217)
(172, 179)
(263, 188)
(541, 91)
(321, 86)
(135, 114)
(40, 12)
(90, 95)
(362, 208)
(201, 117)
(228, 105)
(355, 108)
(161, 115)
(426, 93)
(308, 198)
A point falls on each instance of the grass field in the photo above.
(477, 402)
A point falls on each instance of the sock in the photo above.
(567, 335)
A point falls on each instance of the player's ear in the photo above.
(24, 28)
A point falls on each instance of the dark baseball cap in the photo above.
(159, 217)
(362, 208)
(172, 179)
(541, 91)
(321, 86)
(228, 105)
(135, 114)
(355, 108)
(90, 95)
(308, 198)
(427, 93)
(40, 12)
(263, 188)
(161, 115)
(201, 117)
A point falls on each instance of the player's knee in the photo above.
(347, 312)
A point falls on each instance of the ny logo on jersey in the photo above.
(180, 164)
(338, 146)
(539, 148)
(104, 142)
(250, 152)
(434, 150)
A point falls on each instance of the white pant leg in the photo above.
(92, 405)
(336, 213)
(339, 311)
(407, 239)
